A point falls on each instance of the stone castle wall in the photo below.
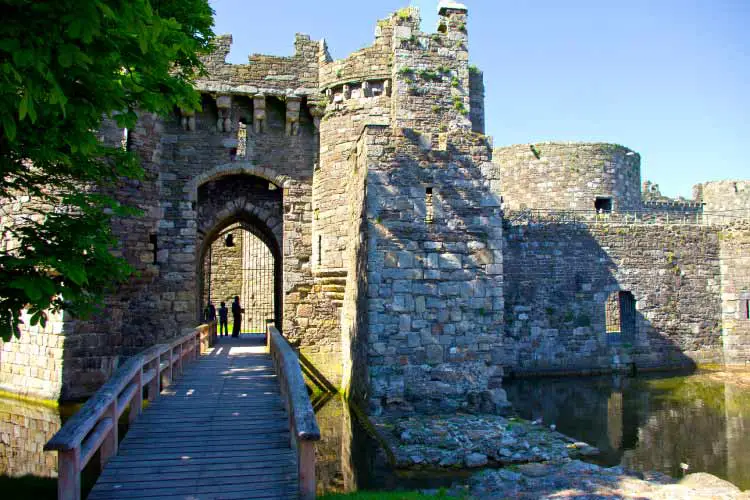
(569, 176)
(734, 243)
(370, 180)
(558, 278)
(32, 365)
(24, 430)
(225, 275)
(724, 202)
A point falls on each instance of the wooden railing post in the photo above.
(153, 386)
(306, 464)
(108, 448)
(169, 367)
(180, 354)
(136, 405)
(69, 475)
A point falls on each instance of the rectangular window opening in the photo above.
(154, 246)
(603, 204)
(429, 215)
(320, 249)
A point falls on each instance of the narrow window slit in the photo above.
(429, 215)
(154, 246)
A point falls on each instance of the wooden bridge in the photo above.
(236, 424)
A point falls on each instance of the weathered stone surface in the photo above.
(412, 263)
(572, 478)
(474, 441)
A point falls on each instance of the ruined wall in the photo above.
(726, 196)
(734, 243)
(24, 430)
(568, 176)
(558, 278)
(476, 92)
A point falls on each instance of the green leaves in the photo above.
(63, 66)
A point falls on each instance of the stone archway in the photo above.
(249, 208)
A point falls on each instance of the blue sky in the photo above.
(669, 79)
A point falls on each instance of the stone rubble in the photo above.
(472, 441)
(584, 481)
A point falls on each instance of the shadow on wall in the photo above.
(435, 302)
(558, 278)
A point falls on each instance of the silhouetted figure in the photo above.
(236, 316)
(223, 317)
(210, 312)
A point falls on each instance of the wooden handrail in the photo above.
(303, 426)
(94, 426)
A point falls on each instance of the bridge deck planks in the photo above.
(220, 432)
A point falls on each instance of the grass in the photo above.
(385, 495)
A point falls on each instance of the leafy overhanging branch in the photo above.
(65, 65)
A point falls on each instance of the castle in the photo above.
(414, 266)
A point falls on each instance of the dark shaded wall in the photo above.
(558, 277)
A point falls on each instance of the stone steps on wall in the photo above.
(333, 284)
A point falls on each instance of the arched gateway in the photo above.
(239, 241)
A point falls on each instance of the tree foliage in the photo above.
(64, 65)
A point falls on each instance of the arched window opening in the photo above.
(620, 316)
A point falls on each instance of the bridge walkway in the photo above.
(220, 432)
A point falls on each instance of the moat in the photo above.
(650, 422)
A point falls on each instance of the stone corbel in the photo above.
(329, 95)
(259, 113)
(387, 87)
(347, 91)
(292, 115)
(317, 110)
(188, 120)
(366, 92)
(224, 105)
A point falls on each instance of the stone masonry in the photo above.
(413, 265)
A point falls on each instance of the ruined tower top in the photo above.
(446, 5)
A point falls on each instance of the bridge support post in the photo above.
(69, 475)
(306, 465)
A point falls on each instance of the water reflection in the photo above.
(649, 423)
(350, 459)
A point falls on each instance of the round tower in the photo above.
(569, 176)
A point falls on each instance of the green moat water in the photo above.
(646, 423)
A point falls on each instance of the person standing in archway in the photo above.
(223, 317)
(237, 311)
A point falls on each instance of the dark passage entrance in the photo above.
(620, 316)
(239, 262)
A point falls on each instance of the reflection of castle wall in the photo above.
(737, 401)
(24, 429)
